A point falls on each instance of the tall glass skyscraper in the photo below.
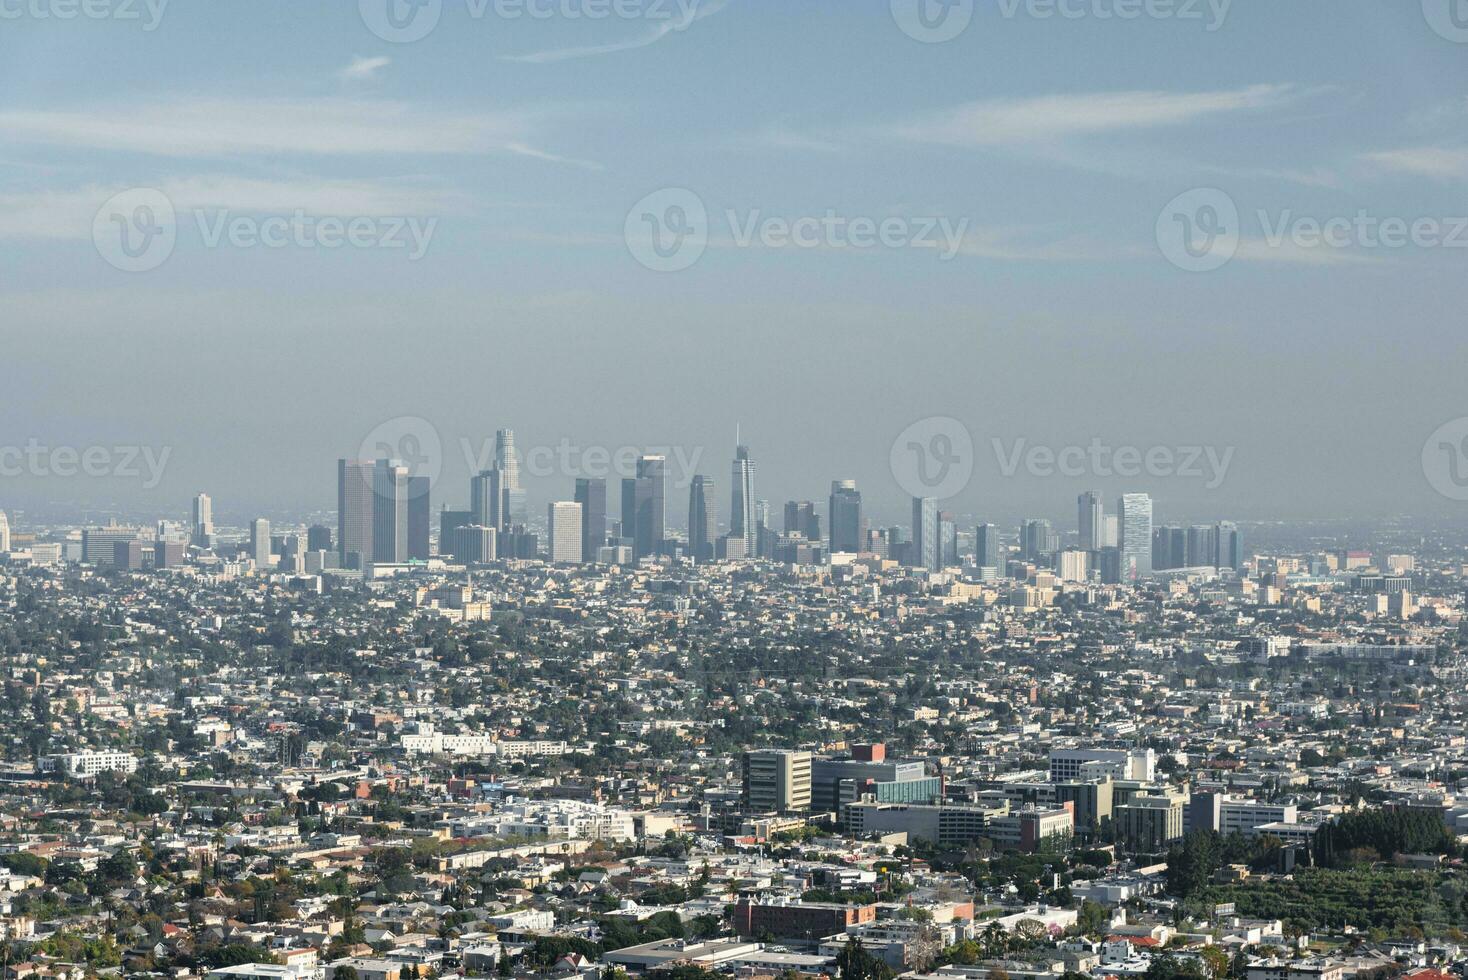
(507, 461)
(1134, 531)
(390, 512)
(743, 523)
(702, 519)
(844, 515)
(1091, 517)
(986, 546)
(354, 492)
(591, 494)
(926, 551)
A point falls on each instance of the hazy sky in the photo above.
(1050, 149)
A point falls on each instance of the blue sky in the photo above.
(1056, 142)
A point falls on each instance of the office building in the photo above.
(354, 512)
(644, 509)
(785, 919)
(947, 540)
(99, 543)
(1148, 823)
(743, 521)
(925, 547)
(1134, 527)
(843, 515)
(318, 538)
(1068, 765)
(867, 773)
(563, 523)
(1073, 566)
(420, 517)
(127, 556)
(1038, 540)
(203, 521)
(591, 494)
(801, 518)
(512, 494)
(389, 512)
(776, 781)
(476, 544)
(1202, 546)
(4, 533)
(260, 542)
(1092, 518)
(702, 524)
(1230, 546)
(987, 553)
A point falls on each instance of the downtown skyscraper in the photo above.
(389, 512)
(644, 506)
(512, 494)
(1134, 530)
(926, 549)
(203, 531)
(591, 494)
(843, 515)
(702, 519)
(354, 512)
(1090, 518)
(743, 521)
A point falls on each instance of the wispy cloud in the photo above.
(687, 12)
(1439, 163)
(520, 149)
(211, 128)
(1000, 122)
(362, 69)
(1292, 253)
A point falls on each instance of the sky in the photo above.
(978, 248)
